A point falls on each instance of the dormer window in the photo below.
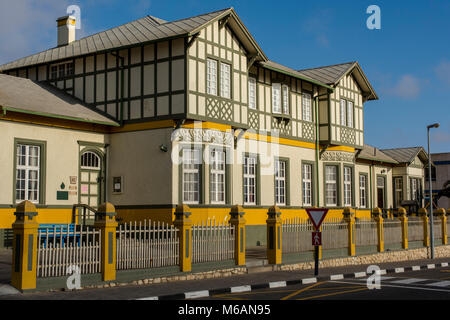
(61, 70)
(346, 113)
(306, 107)
(280, 99)
(285, 99)
(252, 93)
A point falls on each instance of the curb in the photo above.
(281, 284)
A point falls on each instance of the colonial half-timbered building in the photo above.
(156, 113)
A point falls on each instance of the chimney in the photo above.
(66, 30)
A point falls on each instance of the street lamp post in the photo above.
(430, 188)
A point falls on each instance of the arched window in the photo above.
(90, 160)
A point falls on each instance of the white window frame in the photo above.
(331, 185)
(362, 191)
(343, 112)
(218, 176)
(285, 99)
(27, 167)
(252, 93)
(250, 179)
(348, 172)
(307, 169)
(350, 114)
(276, 98)
(211, 77)
(414, 188)
(398, 189)
(191, 167)
(306, 107)
(225, 80)
(280, 182)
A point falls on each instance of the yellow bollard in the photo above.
(404, 220)
(426, 234)
(23, 276)
(184, 224)
(377, 214)
(237, 220)
(441, 213)
(105, 221)
(274, 235)
(349, 217)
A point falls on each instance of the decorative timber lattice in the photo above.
(348, 136)
(253, 119)
(222, 110)
(282, 126)
(308, 131)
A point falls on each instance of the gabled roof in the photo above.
(291, 72)
(407, 155)
(38, 98)
(331, 75)
(143, 30)
(371, 153)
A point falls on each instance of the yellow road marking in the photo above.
(248, 293)
(301, 290)
(333, 294)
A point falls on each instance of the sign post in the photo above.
(316, 216)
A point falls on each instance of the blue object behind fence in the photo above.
(58, 232)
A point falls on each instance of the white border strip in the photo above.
(337, 277)
(360, 274)
(241, 289)
(149, 298)
(415, 268)
(309, 280)
(196, 294)
(431, 266)
(444, 264)
(399, 270)
(278, 284)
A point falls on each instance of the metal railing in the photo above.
(366, 232)
(415, 229)
(334, 233)
(392, 229)
(85, 215)
(296, 235)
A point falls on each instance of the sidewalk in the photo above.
(5, 265)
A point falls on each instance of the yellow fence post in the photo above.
(441, 213)
(237, 220)
(404, 220)
(184, 225)
(426, 234)
(105, 221)
(378, 216)
(23, 276)
(274, 235)
(349, 217)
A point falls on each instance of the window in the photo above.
(28, 162)
(191, 176)
(225, 80)
(276, 98)
(307, 184)
(280, 182)
(331, 185)
(285, 99)
(252, 93)
(362, 191)
(69, 69)
(211, 81)
(347, 186)
(90, 160)
(54, 72)
(217, 177)
(250, 180)
(346, 113)
(398, 190)
(343, 113)
(414, 189)
(62, 70)
(306, 107)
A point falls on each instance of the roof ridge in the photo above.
(199, 15)
(328, 66)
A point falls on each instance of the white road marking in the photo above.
(309, 280)
(278, 284)
(197, 294)
(440, 284)
(415, 268)
(401, 287)
(431, 266)
(337, 277)
(149, 298)
(408, 281)
(241, 289)
(399, 270)
(444, 264)
(360, 274)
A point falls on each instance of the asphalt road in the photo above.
(431, 284)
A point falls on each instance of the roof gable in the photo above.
(407, 155)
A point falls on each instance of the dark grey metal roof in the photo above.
(142, 30)
(371, 153)
(27, 96)
(328, 74)
(405, 155)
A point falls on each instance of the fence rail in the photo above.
(296, 235)
(366, 232)
(392, 229)
(415, 229)
(146, 245)
(60, 248)
(212, 241)
(437, 228)
(334, 233)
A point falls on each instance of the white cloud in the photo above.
(28, 26)
(407, 87)
(443, 71)
(318, 25)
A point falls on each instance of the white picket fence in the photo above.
(366, 232)
(437, 228)
(146, 244)
(392, 229)
(296, 235)
(334, 233)
(212, 241)
(415, 229)
(62, 248)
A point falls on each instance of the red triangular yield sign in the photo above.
(316, 216)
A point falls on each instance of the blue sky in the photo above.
(407, 61)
